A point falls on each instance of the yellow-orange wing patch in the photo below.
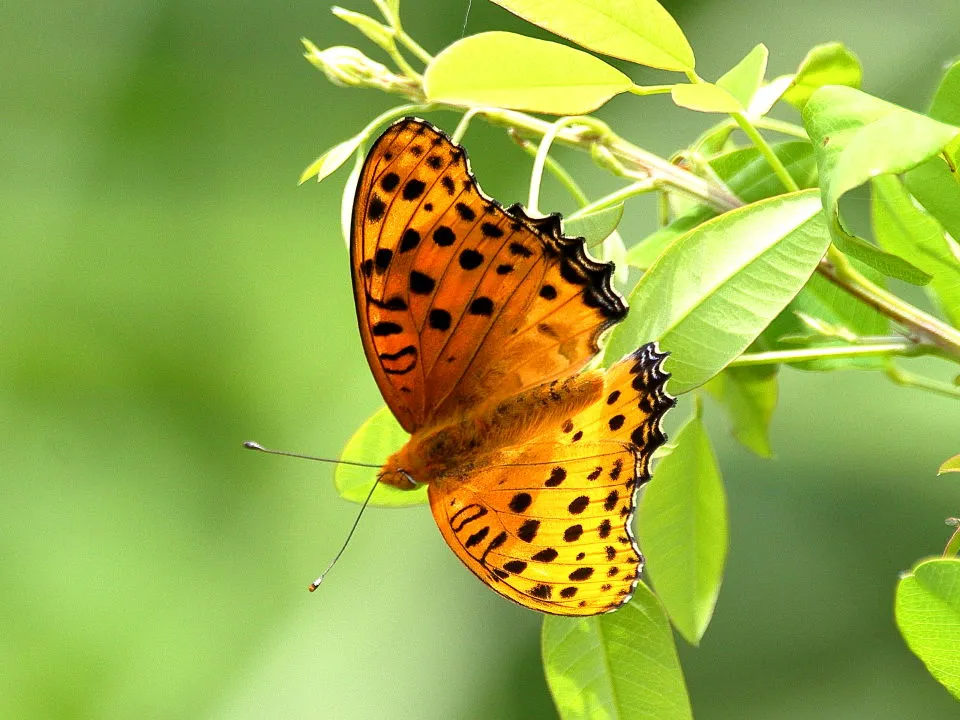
(547, 523)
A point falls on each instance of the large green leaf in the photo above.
(683, 531)
(828, 64)
(377, 439)
(823, 300)
(857, 137)
(902, 228)
(749, 395)
(502, 69)
(744, 79)
(928, 615)
(946, 101)
(621, 665)
(637, 30)
(713, 291)
(938, 190)
(748, 174)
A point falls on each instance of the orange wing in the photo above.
(459, 299)
(548, 523)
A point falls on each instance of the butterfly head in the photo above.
(401, 471)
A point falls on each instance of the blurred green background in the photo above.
(168, 292)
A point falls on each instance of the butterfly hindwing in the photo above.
(547, 523)
(457, 297)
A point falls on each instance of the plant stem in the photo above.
(953, 544)
(909, 379)
(559, 172)
(413, 46)
(764, 147)
(784, 128)
(650, 89)
(543, 150)
(617, 196)
(839, 270)
(774, 357)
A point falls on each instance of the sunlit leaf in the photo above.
(621, 665)
(902, 228)
(377, 439)
(928, 614)
(749, 395)
(744, 79)
(637, 30)
(705, 97)
(946, 101)
(683, 531)
(857, 137)
(594, 227)
(502, 69)
(828, 64)
(748, 264)
(768, 95)
(332, 159)
(950, 466)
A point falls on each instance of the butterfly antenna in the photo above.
(316, 583)
(466, 18)
(250, 445)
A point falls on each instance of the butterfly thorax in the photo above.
(474, 439)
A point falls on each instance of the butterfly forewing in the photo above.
(458, 298)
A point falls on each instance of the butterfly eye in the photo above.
(409, 478)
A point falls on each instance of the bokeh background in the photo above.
(168, 292)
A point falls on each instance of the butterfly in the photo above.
(477, 322)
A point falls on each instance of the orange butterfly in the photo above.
(477, 321)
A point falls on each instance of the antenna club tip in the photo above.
(313, 586)
(251, 445)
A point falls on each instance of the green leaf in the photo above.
(389, 8)
(902, 228)
(594, 227)
(927, 608)
(637, 30)
(744, 79)
(705, 97)
(747, 172)
(938, 190)
(828, 64)
(946, 101)
(831, 305)
(748, 264)
(376, 32)
(767, 96)
(749, 395)
(951, 465)
(645, 253)
(501, 69)
(683, 531)
(378, 438)
(858, 137)
(332, 159)
(621, 665)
